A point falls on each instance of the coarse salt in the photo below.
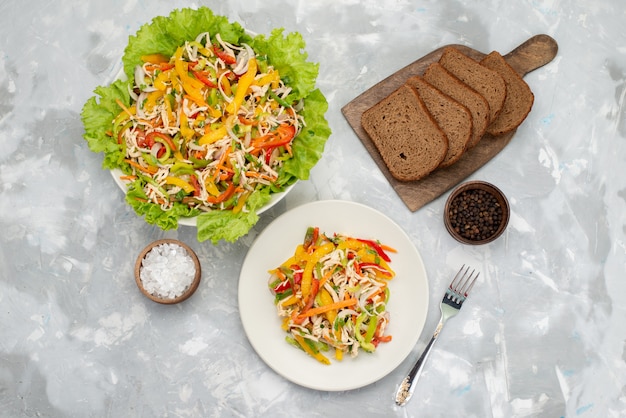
(167, 271)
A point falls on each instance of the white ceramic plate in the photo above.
(408, 303)
(276, 197)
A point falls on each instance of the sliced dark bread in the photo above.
(452, 117)
(405, 134)
(480, 78)
(477, 105)
(519, 98)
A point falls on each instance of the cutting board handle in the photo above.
(532, 54)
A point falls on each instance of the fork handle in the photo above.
(406, 388)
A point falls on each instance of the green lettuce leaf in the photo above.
(288, 56)
(97, 115)
(226, 225)
(308, 146)
(163, 35)
(153, 214)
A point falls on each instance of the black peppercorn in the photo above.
(475, 214)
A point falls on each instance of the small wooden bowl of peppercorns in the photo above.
(476, 213)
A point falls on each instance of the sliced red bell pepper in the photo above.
(143, 141)
(230, 190)
(376, 246)
(245, 121)
(227, 58)
(297, 277)
(312, 233)
(282, 286)
(315, 287)
(282, 137)
(161, 137)
(203, 77)
(193, 180)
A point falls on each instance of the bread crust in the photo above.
(519, 99)
(480, 78)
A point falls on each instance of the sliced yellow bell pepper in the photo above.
(175, 181)
(152, 99)
(185, 130)
(226, 86)
(317, 356)
(201, 49)
(301, 254)
(267, 78)
(241, 202)
(215, 113)
(182, 71)
(242, 87)
(161, 80)
(195, 96)
(155, 58)
(327, 299)
(168, 111)
(307, 274)
(367, 256)
(213, 135)
(190, 85)
(285, 324)
(298, 256)
(291, 300)
(351, 244)
(200, 118)
(211, 188)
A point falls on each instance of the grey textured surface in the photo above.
(542, 334)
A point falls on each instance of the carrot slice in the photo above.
(326, 308)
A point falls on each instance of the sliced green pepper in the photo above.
(197, 162)
(365, 345)
(278, 99)
(150, 159)
(180, 167)
(371, 329)
(152, 182)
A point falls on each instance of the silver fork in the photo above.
(450, 305)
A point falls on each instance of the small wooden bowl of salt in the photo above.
(167, 271)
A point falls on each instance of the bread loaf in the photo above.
(452, 117)
(519, 99)
(405, 134)
(477, 105)
(480, 78)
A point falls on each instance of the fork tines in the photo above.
(462, 284)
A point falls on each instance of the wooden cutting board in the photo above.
(532, 54)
